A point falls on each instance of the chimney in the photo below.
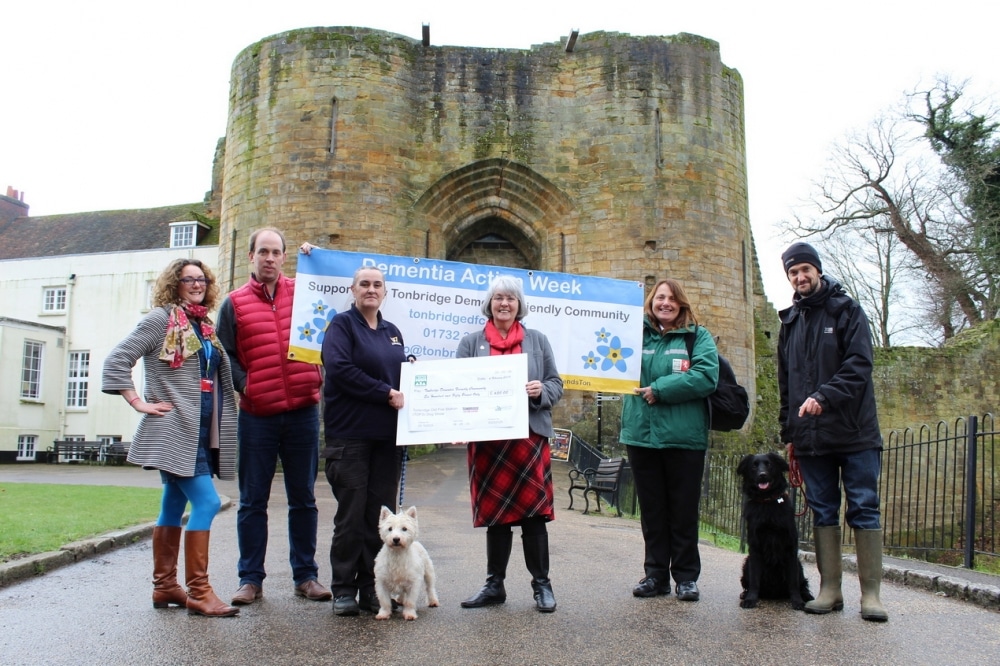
(12, 206)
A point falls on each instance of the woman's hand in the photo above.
(534, 389)
(153, 408)
(306, 248)
(395, 399)
(646, 393)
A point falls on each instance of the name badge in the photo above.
(681, 364)
(206, 385)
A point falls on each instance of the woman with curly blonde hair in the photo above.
(188, 425)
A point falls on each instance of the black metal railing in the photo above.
(939, 492)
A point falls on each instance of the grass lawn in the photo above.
(39, 517)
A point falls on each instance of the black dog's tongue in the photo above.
(764, 485)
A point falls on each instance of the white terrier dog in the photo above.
(401, 564)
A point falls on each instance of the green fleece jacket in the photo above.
(679, 417)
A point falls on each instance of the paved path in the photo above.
(98, 611)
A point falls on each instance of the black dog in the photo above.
(772, 569)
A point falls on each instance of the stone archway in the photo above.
(496, 212)
(490, 244)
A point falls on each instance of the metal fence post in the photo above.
(970, 492)
(600, 446)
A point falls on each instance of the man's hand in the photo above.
(811, 407)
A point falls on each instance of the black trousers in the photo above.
(668, 486)
(364, 477)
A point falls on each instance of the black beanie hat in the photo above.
(800, 253)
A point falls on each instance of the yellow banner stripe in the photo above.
(603, 384)
(305, 355)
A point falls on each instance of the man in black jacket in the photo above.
(828, 418)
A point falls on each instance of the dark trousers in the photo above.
(364, 477)
(858, 472)
(668, 486)
(294, 438)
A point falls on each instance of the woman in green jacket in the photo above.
(665, 427)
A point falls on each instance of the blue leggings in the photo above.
(200, 491)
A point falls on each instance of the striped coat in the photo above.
(170, 442)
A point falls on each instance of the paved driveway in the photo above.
(99, 611)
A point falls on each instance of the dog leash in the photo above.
(402, 476)
(795, 479)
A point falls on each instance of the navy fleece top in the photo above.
(362, 364)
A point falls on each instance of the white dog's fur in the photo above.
(401, 565)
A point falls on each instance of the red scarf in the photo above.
(500, 345)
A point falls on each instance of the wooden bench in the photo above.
(63, 451)
(604, 479)
(67, 451)
(116, 453)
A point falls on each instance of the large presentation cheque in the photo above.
(460, 400)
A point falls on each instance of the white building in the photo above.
(71, 287)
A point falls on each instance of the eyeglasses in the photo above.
(190, 280)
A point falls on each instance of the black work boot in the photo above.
(498, 544)
(536, 557)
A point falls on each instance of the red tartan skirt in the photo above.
(510, 480)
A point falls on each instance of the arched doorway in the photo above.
(489, 242)
(495, 212)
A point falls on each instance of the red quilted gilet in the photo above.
(274, 383)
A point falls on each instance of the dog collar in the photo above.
(780, 499)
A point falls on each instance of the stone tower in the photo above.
(622, 157)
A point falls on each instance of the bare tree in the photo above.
(877, 270)
(888, 178)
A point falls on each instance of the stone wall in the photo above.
(624, 158)
(918, 385)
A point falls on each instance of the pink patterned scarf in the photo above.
(181, 342)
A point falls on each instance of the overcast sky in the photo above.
(109, 105)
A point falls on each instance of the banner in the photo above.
(593, 324)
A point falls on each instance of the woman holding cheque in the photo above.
(362, 355)
(511, 480)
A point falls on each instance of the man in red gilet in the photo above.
(279, 418)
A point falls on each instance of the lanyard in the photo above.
(204, 354)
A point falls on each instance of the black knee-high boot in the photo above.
(498, 545)
(536, 557)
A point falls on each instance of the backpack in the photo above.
(728, 406)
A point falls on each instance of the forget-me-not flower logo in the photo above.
(306, 332)
(614, 355)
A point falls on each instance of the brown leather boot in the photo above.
(166, 545)
(201, 597)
